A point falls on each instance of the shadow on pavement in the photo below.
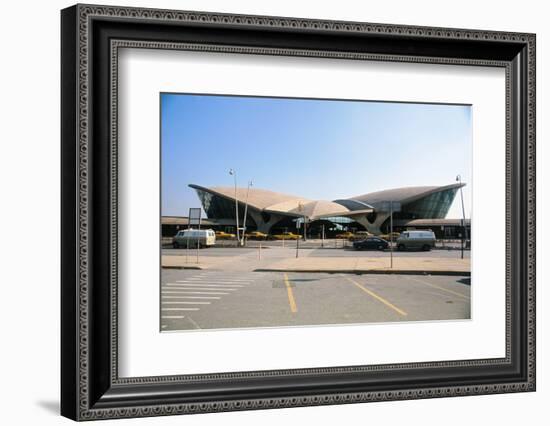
(465, 281)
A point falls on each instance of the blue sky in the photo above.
(319, 149)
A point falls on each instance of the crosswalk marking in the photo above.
(217, 281)
(193, 292)
(180, 309)
(183, 287)
(195, 288)
(203, 289)
(190, 297)
(224, 283)
(210, 284)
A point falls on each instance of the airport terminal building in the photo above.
(422, 207)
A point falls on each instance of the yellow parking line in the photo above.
(377, 297)
(291, 300)
(440, 288)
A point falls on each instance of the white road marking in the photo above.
(238, 283)
(217, 280)
(180, 309)
(440, 288)
(193, 292)
(190, 297)
(206, 284)
(203, 287)
(210, 284)
(185, 287)
(193, 322)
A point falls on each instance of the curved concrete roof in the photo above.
(320, 208)
(261, 199)
(276, 202)
(403, 195)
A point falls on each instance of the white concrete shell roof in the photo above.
(276, 202)
(403, 195)
(320, 208)
(261, 199)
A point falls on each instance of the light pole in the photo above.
(391, 234)
(234, 174)
(459, 180)
(245, 211)
(300, 209)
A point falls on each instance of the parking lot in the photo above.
(215, 299)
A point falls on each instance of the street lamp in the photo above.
(300, 209)
(234, 174)
(246, 210)
(459, 180)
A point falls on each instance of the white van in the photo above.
(194, 237)
(420, 240)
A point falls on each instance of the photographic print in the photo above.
(280, 212)
(309, 195)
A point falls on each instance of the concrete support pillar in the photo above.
(261, 225)
(374, 227)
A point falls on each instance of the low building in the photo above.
(170, 225)
(443, 228)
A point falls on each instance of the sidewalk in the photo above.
(416, 265)
(363, 264)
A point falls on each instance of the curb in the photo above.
(369, 271)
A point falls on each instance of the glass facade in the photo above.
(433, 206)
(334, 223)
(222, 208)
(353, 204)
(332, 226)
(341, 220)
(216, 207)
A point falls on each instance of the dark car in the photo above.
(371, 243)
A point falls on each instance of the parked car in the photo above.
(220, 235)
(361, 235)
(256, 235)
(195, 238)
(420, 240)
(371, 243)
(286, 236)
(344, 235)
(391, 236)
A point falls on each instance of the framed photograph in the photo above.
(263, 212)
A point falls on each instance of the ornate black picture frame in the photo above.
(91, 387)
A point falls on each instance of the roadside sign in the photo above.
(390, 207)
(195, 217)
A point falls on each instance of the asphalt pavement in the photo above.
(195, 299)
